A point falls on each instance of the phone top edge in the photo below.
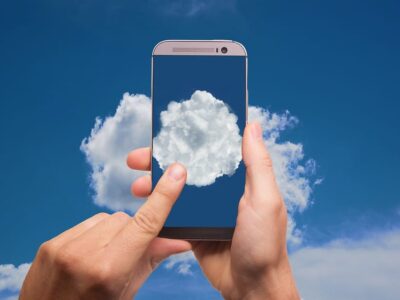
(199, 47)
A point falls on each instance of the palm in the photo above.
(222, 262)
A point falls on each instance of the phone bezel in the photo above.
(196, 47)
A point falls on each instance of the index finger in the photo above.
(139, 159)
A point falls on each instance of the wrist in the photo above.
(275, 283)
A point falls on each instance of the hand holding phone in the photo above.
(255, 264)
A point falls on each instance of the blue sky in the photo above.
(333, 64)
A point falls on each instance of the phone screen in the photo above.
(199, 114)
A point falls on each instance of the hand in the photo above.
(107, 256)
(255, 264)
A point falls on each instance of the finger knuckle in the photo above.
(266, 161)
(67, 260)
(162, 192)
(101, 275)
(279, 208)
(47, 250)
(121, 216)
(146, 220)
(99, 281)
(102, 215)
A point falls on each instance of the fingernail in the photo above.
(176, 172)
(256, 130)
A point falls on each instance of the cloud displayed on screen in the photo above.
(106, 149)
(202, 134)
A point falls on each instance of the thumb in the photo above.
(136, 237)
(151, 216)
(260, 178)
(154, 212)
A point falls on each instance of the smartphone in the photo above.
(199, 111)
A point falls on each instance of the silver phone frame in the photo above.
(194, 48)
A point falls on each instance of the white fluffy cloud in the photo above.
(365, 269)
(129, 128)
(106, 149)
(201, 133)
(293, 174)
(193, 8)
(12, 277)
(182, 262)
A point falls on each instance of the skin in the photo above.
(110, 256)
(107, 256)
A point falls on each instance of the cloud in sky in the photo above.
(201, 133)
(293, 174)
(112, 138)
(343, 269)
(12, 277)
(365, 269)
(193, 8)
(106, 149)
(182, 263)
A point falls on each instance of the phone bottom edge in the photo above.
(198, 233)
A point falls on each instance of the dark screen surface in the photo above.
(176, 78)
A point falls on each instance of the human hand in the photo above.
(107, 256)
(255, 264)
